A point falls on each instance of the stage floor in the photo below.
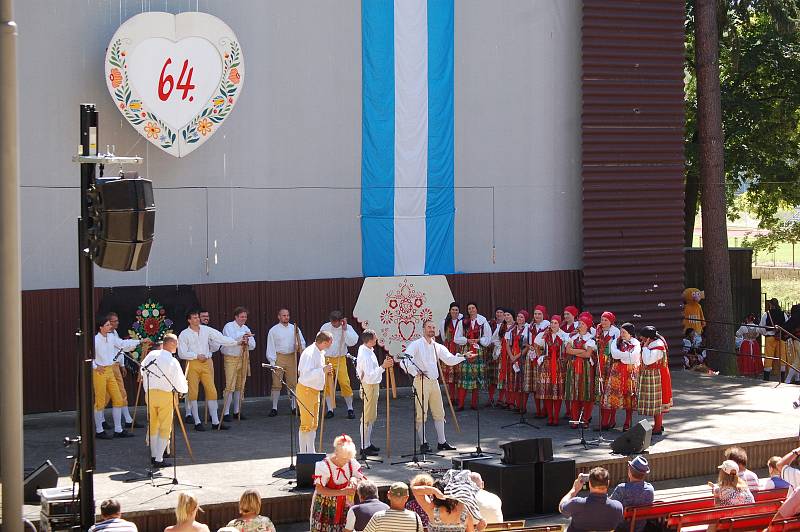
(709, 412)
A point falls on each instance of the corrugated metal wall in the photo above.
(50, 318)
(633, 160)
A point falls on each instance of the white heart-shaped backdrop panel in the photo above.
(175, 78)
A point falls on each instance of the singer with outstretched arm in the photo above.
(424, 352)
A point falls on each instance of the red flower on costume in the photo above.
(151, 326)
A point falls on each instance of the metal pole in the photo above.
(88, 121)
(11, 456)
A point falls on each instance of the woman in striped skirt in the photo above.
(500, 342)
(620, 391)
(605, 334)
(655, 384)
(579, 388)
(551, 360)
(493, 361)
(529, 385)
(448, 332)
(517, 352)
(474, 336)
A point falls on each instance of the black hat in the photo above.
(630, 327)
(649, 332)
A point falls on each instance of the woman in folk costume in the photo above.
(474, 336)
(448, 334)
(517, 355)
(620, 392)
(655, 384)
(749, 337)
(792, 345)
(604, 335)
(493, 361)
(500, 343)
(551, 360)
(569, 325)
(335, 481)
(579, 386)
(530, 383)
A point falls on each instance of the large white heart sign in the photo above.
(175, 78)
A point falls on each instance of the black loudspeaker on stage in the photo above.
(553, 480)
(305, 468)
(635, 440)
(44, 476)
(527, 451)
(514, 484)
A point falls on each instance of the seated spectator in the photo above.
(790, 507)
(423, 479)
(111, 513)
(185, 513)
(489, 504)
(774, 481)
(396, 518)
(635, 492)
(739, 455)
(359, 514)
(788, 473)
(595, 511)
(730, 489)
(249, 519)
(444, 513)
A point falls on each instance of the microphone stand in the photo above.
(150, 472)
(414, 400)
(582, 441)
(600, 440)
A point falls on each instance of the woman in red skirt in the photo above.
(517, 354)
(749, 359)
(621, 385)
(536, 327)
(448, 333)
(552, 363)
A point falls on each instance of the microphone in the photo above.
(403, 356)
(150, 363)
(270, 366)
(351, 357)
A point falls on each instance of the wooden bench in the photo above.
(505, 525)
(790, 523)
(711, 516)
(745, 522)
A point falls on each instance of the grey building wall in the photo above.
(275, 193)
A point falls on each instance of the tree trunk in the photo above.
(719, 306)
(691, 195)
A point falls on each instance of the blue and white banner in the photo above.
(407, 198)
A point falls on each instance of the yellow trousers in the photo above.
(339, 368)
(198, 371)
(430, 395)
(120, 383)
(105, 386)
(309, 398)
(774, 347)
(370, 393)
(289, 373)
(160, 406)
(235, 375)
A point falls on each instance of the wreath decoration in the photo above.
(151, 322)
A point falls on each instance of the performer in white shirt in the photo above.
(161, 372)
(623, 376)
(313, 371)
(335, 357)
(655, 383)
(285, 342)
(106, 348)
(604, 335)
(195, 344)
(235, 374)
(205, 317)
(119, 368)
(370, 373)
(423, 367)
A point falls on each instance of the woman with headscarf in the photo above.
(506, 318)
(474, 336)
(568, 325)
(517, 353)
(748, 336)
(605, 333)
(493, 361)
(551, 360)
(336, 478)
(448, 333)
(579, 388)
(655, 384)
(531, 366)
(620, 391)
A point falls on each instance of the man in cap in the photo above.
(359, 514)
(396, 518)
(637, 491)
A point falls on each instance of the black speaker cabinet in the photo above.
(527, 451)
(44, 476)
(553, 480)
(121, 256)
(305, 468)
(635, 440)
(465, 462)
(514, 484)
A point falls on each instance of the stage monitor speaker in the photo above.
(464, 462)
(44, 476)
(553, 480)
(514, 484)
(635, 440)
(527, 451)
(305, 468)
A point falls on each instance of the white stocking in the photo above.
(99, 417)
(440, 430)
(195, 413)
(276, 394)
(236, 396)
(212, 407)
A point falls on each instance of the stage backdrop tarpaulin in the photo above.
(395, 307)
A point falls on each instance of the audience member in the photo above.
(774, 481)
(423, 479)
(635, 492)
(359, 514)
(788, 473)
(336, 479)
(595, 511)
(395, 518)
(111, 513)
(739, 455)
(445, 514)
(249, 519)
(489, 504)
(790, 507)
(185, 513)
(730, 489)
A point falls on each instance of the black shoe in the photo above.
(103, 436)
(106, 426)
(227, 418)
(272, 413)
(159, 465)
(445, 447)
(132, 425)
(425, 448)
(219, 427)
(329, 414)
(188, 419)
(369, 452)
(240, 416)
(294, 411)
(783, 376)
(199, 427)
(351, 414)
(372, 447)
(766, 375)
(123, 434)
(659, 432)
(167, 454)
